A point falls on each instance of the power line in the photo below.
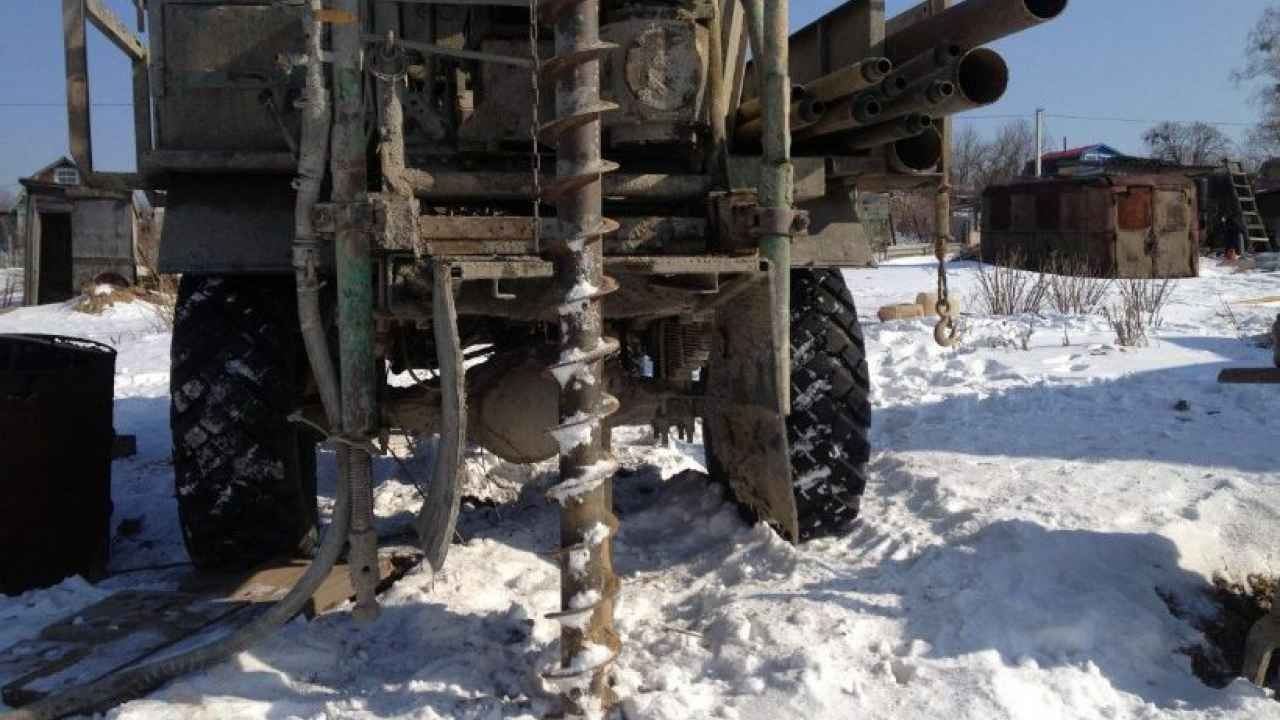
(63, 104)
(1234, 123)
(1094, 118)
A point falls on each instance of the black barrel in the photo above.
(55, 460)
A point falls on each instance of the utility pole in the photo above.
(1039, 142)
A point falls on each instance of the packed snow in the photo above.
(1028, 510)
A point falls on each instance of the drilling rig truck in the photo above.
(560, 216)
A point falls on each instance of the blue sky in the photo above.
(1144, 60)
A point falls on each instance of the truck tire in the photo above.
(244, 475)
(830, 420)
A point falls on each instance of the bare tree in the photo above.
(1195, 143)
(913, 216)
(1262, 67)
(977, 162)
(968, 156)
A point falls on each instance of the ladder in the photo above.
(1247, 208)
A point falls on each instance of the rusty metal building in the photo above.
(1131, 226)
(72, 233)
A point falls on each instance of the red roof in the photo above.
(1068, 154)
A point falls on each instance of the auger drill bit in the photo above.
(588, 585)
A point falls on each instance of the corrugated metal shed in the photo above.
(1131, 226)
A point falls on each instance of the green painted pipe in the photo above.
(354, 257)
(776, 181)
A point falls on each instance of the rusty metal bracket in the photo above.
(779, 221)
(389, 217)
(329, 218)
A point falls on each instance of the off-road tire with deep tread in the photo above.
(830, 420)
(244, 474)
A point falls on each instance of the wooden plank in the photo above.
(141, 112)
(734, 44)
(115, 30)
(77, 73)
(449, 236)
(1250, 376)
(102, 638)
(269, 584)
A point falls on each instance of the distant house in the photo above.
(72, 232)
(1081, 161)
(1100, 159)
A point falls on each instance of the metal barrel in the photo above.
(922, 65)
(919, 154)
(804, 112)
(970, 24)
(980, 77)
(883, 133)
(849, 80)
(56, 399)
(857, 111)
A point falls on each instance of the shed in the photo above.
(1130, 226)
(73, 232)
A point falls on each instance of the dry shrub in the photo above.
(8, 290)
(1073, 288)
(1003, 289)
(162, 288)
(1141, 307)
(97, 297)
(1127, 322)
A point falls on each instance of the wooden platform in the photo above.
(1250, 376)
(132, 626)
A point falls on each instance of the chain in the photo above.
(945, 332)
(536, 160)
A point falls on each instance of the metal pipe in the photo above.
(751, 109)
(355, 300)
(806, 111)
(979, 78)
(915, 155)
(971, 24)
(777, 184)
(884, 133)
(925, 64)
(849, 80)
(854, 112)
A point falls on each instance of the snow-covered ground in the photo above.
(1027, 511)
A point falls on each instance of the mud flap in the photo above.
(743, 425)
(439, 514)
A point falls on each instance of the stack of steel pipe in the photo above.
(932, 68)
(833, 99)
